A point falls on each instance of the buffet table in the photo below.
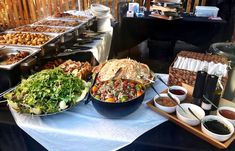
(199, 31)
(82, 128)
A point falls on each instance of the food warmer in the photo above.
(61, 42)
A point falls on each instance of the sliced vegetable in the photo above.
(139, 93)
(119, 90)
(110, 100)
(124, 98)
(94, 89)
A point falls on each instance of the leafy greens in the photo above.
(46, 92)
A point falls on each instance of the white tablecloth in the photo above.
(101, 48)
(82, 128)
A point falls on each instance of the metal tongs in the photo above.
(5, 92)
(142, 77)
(2, 56)
(93, 80)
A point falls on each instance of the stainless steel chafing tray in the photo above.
(61, 35)
(51, 38)
(66, 35)
(88, 16)
(41, 22)
(8, 50)
(67, 29)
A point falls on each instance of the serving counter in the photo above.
(199, 31)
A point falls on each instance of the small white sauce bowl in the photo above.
(218, 137)
(188, 116)
(226, 108)
(175, 87)
(165, 108)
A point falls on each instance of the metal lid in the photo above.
(224, 49)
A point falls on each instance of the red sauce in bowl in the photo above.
(227, 114)
(177, 92)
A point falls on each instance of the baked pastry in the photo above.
(79, 69)
(130, 69)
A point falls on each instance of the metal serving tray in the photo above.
(89, 16)
(68, 35)
(67, 29)
(8, 50)
(52, 37)
(59, 19)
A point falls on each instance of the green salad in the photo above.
(46, 92)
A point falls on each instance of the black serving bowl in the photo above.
(117, 110)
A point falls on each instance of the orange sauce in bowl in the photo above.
(165, 101)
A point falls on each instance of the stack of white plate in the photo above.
(103, 16)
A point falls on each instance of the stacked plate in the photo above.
(103, 16)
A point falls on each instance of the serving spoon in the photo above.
(142, 77)
(169, 95)
(162, 80)
(117, 73)
(190, 110)
(210, 101)
(194, 114)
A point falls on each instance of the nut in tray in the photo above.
(70, 16)
(46, 29)
(66, 23)
(24, 39)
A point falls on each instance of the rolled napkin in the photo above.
(177, 62)
(198, 65)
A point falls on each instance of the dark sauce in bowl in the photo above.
(216, 127)
(227, 114)
(177, 91)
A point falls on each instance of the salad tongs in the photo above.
(5, 92)
(93, 80)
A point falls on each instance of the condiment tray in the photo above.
(196, 130)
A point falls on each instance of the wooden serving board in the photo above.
(196, 130)
(164, 17)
